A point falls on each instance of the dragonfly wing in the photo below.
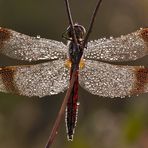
(24, 47)
(125, 48)
(35, 80)
(109, 80)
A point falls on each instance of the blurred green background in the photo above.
(102, 122)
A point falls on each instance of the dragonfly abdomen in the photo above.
(72, 110)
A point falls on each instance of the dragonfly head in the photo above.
(79, 30)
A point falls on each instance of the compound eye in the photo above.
(69, 32)
(79, 30)
(83, 29)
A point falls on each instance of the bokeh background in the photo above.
(102, 122)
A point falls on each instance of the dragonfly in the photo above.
(91, 62)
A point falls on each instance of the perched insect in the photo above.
(85, 59)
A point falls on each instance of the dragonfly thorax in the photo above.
(76, 49)
(75, 53)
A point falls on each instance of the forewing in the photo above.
(24, 47)
(125, 48)
(109, 80)
(35, 80)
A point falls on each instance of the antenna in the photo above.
(71, 21)
(92, 22)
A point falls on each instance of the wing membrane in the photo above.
(35, 80)
(113, 80)
(23, 47)
(125, 48)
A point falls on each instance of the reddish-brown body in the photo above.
(72, 108)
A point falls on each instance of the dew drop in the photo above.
(38, 36)
(78, 103)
